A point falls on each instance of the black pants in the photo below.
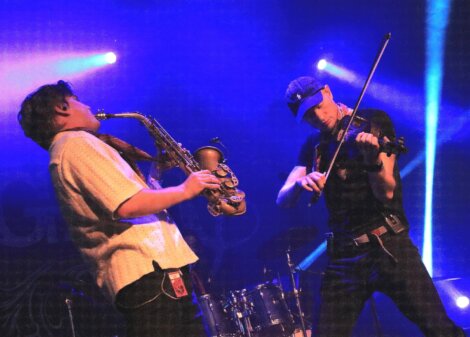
(149, 312)
(354, 273)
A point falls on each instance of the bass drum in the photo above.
(217, 317)
(270, 314)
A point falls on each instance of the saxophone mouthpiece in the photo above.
(100, 115)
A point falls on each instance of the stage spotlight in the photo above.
(462, 302)
(437, 12)
(337, 71)
(322, 64)
(22, 75)
(110, 57)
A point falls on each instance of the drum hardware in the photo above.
(217, 316)
(242, 309)
(270, 316)
(74, 289)
(281, 245)
(296, 292)
(258, 312)
(68, 303)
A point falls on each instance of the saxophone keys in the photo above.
(228, 183)
(220, 173)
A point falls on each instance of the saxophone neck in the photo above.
(163, 139)
(101, 115)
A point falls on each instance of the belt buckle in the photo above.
(394, 223)
(356, 241)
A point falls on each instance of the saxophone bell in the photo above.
(229, 200)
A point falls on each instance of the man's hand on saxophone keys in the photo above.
(196, 182)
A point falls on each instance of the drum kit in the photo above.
(261, 311)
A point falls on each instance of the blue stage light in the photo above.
(312, 257)
(22, 75)
(110, 57)
(337, 71)
(462, 302)
(436, 23)
(322, 64)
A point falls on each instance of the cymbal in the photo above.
(293, 238)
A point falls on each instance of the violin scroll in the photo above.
(393, 147)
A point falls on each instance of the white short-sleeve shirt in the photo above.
(91, 181)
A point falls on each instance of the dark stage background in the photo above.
(210, 69)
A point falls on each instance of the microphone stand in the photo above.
(296, 292)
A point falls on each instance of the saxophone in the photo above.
(226, 200)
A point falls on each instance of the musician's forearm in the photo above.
(383, 181)
(288, 195)
(148, 201)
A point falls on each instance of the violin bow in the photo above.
(378, 57)
(353, 114)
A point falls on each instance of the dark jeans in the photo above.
(149, 312)
(354, 273)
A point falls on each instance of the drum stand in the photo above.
(241, 311)
(296, 293)
(68, 303)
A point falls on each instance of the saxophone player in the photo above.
(118, 223)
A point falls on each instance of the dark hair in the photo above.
(36, 116)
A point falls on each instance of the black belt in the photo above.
(377, 233)
(373, 236)
(364, 238)
(394, 225)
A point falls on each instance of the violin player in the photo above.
(369, 248)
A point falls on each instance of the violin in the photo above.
(361, 124)
(349, 156)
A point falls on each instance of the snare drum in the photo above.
(217, 317)
(270, 314)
